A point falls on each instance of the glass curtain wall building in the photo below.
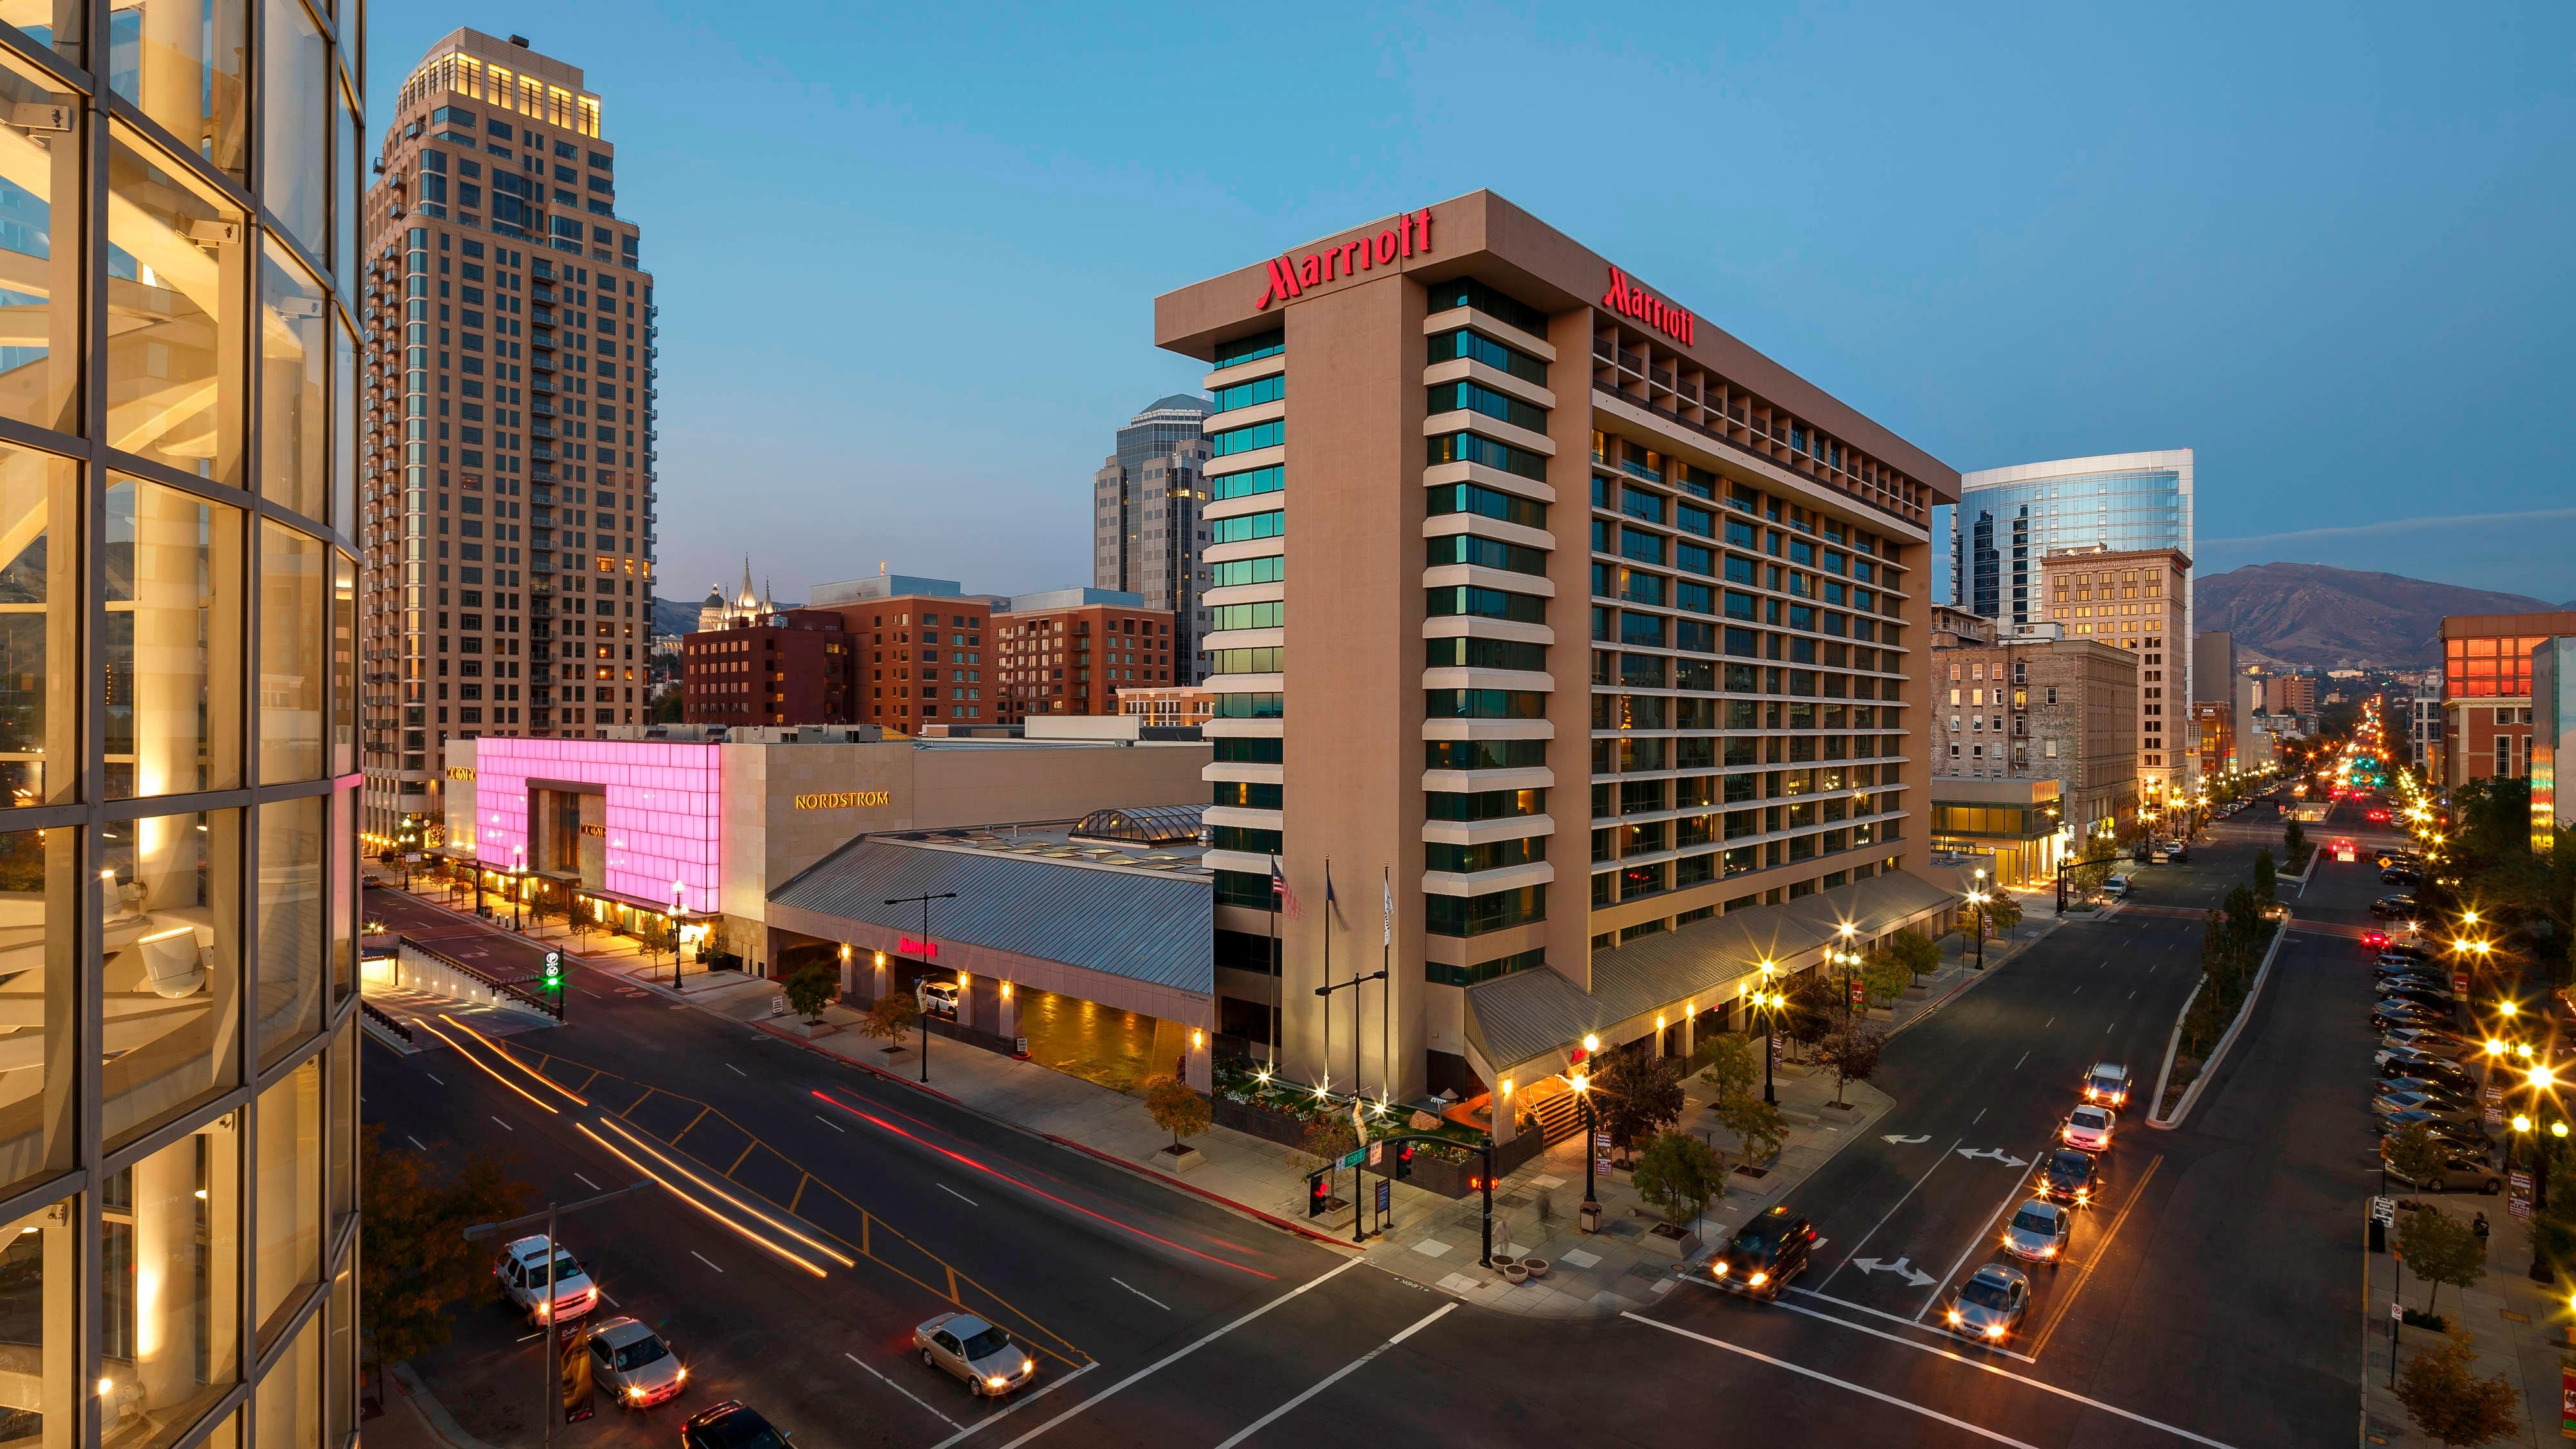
(178, 889)
(2009, 519)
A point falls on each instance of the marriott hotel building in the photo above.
(1589, 635)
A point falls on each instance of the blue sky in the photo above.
(906, 255)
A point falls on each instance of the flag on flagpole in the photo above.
(1330, 900)
(1280, 896)
(1386, 908)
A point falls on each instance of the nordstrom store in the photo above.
(703, 823)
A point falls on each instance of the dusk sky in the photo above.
(906, 256)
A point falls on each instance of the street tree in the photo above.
(2418, 1156)
(1758, 1126)
(2002, 913)
(1812, 1010)
(2294, 846)
(1884, 976)
(2441, 1249)
(890, 1017)
(1680, 1176)
(1734, 1066)
(418, 1263)
(1175, 1108)
(1637, 1096)
(811, 988)
(2449, 1403)
(2266, 877)
(1853, 1054)
(1919, 953)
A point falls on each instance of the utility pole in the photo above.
(550, 1400)
(924, 902)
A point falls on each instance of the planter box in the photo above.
(1260, 1122)
(1177, 1162)
(1449, 1179)
(1881, 1013)
(1666, 1241)
(810, 1030)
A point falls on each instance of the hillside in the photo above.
(674, 616)
(2310, 614)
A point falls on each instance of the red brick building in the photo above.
(1069, 651)
(787, 667)
(2486, 691)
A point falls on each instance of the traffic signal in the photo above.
(1404, 1160)
(1319, 1195)
(554, 970)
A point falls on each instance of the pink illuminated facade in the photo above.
(645, 811)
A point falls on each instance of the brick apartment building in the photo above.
(2290, 694)
(1069, 651)
(2138, 600)
(2486, 691)
(786, 667)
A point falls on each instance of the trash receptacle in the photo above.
(1592, 1217)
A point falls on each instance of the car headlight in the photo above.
(995, 1381)
(635, 1391)
(1028, 1365)
(1718, 1267)
(2049, 1252)
(2083, 1194)
(1994, 1330)
(1758, 1279)
(1954, 1316)
(681, 1375)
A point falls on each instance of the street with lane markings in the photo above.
(811, 1213)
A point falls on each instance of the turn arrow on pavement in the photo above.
(1901, 1268)
(1994, 1154)
(1904, 1141)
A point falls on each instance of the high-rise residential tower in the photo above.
(509, 429)
(1146, 534)
(1567, 655)
(178, 725)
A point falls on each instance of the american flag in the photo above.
(1284, 898)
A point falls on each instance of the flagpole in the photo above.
(1386, 980)
(1325, 1086)
(1272, 961)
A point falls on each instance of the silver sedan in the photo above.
(982, 1354)
(1989, 1307)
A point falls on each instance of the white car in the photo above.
(2107, 1083)
(2117, 885)
(522, 1271)
(2088, 1128)
(634, 1365)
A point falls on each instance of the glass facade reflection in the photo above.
(178, 887)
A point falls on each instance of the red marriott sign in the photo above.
(1290, 277)
(1630, 300)
(926, 950)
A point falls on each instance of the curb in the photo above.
(1974, 977)
(2226, 1039)
(1218, 1198)
(434, 1417)
(924, 1088)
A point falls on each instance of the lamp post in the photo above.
(924, 901)
(519, 889)
(1977, 898)
(678, 909)
(1583, 1094)
(1850, 958)
(2542, 1082)
(1765, 1000)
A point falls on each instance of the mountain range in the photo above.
(2319, 617)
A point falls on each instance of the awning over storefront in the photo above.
(1538, 1013)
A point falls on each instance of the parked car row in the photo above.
(2423, 1080)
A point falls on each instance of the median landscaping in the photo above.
(2236, 946)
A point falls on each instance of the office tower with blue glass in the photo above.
(2009, 520)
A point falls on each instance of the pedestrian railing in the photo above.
(514, 988)
(385, 1019)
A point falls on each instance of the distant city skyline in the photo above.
(2130, 257)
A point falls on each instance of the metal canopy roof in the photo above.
(1531, 1013)
(1148, 924)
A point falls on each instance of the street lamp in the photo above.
(1767, 1001)
(1850, 959)
(1583, 1094)
(1977, 898)
(677, 910)
(518, 888)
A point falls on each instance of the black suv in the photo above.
(2389, 908)
(1766, 1254)
(730, 1425)
(2070, 1176)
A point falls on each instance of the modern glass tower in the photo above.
(1146, 535)
(2008, 519)
(178, 887)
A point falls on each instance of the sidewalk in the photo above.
(2521, 1327)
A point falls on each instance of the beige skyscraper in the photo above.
(509, 426)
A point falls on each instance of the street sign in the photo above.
(1858, 991)
(2567, 1403)
(1376, 1153)
(2384, 1209)
(1600, 1144)
(1385, 1196)
(1354, 1157)
(2517, 1187)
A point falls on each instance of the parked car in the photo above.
(2389, 1015)
(2463, 1171)
(2404, 950)
(730, 1425)
(633, 1363)
(2422, 993)
(1990, 1305)
(966, 1347)
(2398, 875)
(2450, 1126)
(1765, 1254)
(2440, 1104)
(2038, 1232)
(939, 998)
(2416, 1068)
(522, 1271)
(2394, 908)
(2457, 1094)
(2116, 886)
(2432, 1041)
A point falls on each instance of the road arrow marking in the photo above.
(1994, 1154)
(1901, 1268)
(1902, 1139)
